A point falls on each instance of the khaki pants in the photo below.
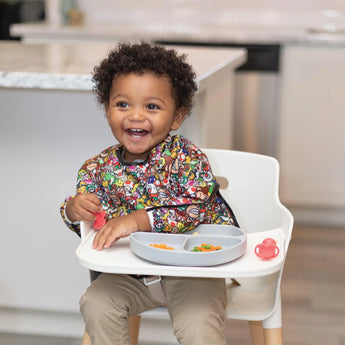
(196, 307)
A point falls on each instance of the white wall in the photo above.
(235, 12)
(296, 13)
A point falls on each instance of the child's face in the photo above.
(141, 112)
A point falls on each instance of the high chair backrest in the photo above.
(251, 189)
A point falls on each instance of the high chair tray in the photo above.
(222, 243)
(120, 259)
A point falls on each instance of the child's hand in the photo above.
(117, 228)
(83, 207)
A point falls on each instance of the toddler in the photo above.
(150, 181)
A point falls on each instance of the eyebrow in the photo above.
(120, 95)
(157, 98)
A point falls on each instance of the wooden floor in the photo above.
(313, 294)
(313, 290)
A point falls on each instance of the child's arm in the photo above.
(191, 192)
(120, 227)
(81, 206)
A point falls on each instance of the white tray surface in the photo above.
(120, 259)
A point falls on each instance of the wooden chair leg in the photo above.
(86, 339)
(133, 326)
(256, 333)
(273, 336)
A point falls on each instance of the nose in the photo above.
(137, 114)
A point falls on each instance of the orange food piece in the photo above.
(204, 247)
(161, 246)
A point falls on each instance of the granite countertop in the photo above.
(67, 66)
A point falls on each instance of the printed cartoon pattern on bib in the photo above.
(175, 184)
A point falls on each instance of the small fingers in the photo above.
(86, 215)
(104, 238)
(83, 207)
(90, 202)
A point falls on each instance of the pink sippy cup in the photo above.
(268, 249)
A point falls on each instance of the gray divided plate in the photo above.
(232, 240)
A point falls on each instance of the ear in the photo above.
(180, 115)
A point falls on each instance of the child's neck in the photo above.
(134, 161)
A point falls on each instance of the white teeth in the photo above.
(137, 132)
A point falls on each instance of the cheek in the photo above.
(112, 121)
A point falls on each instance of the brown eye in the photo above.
(152, 106)
(122, 105)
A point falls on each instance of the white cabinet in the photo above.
(312, 127)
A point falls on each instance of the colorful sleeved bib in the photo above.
(174, 184)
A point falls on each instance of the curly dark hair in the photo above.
(145, 57)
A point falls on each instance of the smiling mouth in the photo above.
(135, 132)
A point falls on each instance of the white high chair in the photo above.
(249, 183)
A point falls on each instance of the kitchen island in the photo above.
(68, 67)
(49, 125)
